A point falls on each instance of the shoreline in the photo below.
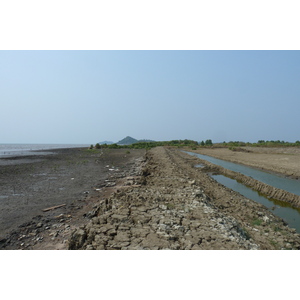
(69, 176)
(42, 149)
(152, 199)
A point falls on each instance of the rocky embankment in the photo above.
(171, 205)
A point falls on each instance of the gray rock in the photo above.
(122, 237)
(139, 232)
(77, 239)
(119, 218)
(154, 241)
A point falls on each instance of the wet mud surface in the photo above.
(142, 200)
(69, 177)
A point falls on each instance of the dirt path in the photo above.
(279, 160)
(172, 205)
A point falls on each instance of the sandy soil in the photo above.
(279, 160)
(69, 176)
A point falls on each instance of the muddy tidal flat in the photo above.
(68, 177)
(135, 200)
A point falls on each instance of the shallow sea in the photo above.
(10, 150)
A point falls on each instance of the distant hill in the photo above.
(106, 142)
(129, 141)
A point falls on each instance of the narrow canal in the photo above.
(282, 209)
(280, 182)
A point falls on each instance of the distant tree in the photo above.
(208, 142)
(202, 143)
(97, 146)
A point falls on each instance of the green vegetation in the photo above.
(91, 150)
(149, 145)
(274, 244)
(232, 145)
(206, 143)
(170, 206)
(257, 222)
(261, 143)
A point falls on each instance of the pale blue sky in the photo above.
(91, 96)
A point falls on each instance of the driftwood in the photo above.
(54, 207)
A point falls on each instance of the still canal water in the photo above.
(282, 209)
(280, 182)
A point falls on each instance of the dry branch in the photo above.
(54, 207)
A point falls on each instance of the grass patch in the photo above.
(92, 150)
(170, 206)
(257, 222)
(274, 244)
(276, 228)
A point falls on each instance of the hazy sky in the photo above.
(92, 96)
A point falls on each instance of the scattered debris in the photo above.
(53, 207)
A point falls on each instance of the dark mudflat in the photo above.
(65, 176)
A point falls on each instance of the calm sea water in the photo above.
(10, 150)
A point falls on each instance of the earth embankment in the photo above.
(172, 205)
(120, 199)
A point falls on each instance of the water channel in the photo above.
(282, 209)
(280, 182)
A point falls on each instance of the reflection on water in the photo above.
(287, 184)
(282, 209)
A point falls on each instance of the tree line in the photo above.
(195, 144)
